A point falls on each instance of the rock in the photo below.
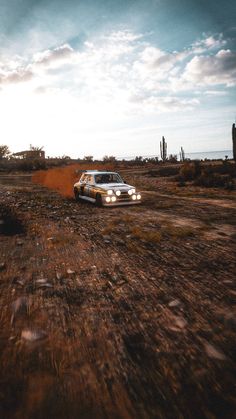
(42, 286)
(59, 275)
(31, 335)
(174, 303)
(19, 243)
(114, 279)
(120, 242)
(212, 352)
(41, 281)
(180, 322)
(18, 281)
(19, 306)
(2, 266)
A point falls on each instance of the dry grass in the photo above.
(137, 236)
(179, 232)
(148, 236)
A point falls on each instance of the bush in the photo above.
(214, 180)
(29, 165)
(190, 171)
(164, 171)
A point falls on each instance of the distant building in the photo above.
(30, 154)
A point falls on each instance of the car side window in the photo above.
(92, 181)
(84, 178)
(89, 179)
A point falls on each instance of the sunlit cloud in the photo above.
(218, 69)
(18, 75)
(121, 60)
(209, 43)
(49, 57)
(109, 81)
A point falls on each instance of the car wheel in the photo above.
(76, 192)
(99, 200)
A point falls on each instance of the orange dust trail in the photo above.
(62, 179)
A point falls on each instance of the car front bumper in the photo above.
(120, 202)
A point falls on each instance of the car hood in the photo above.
(115, 186)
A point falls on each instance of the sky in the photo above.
(108, 77)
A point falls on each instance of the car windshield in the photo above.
(108, 178)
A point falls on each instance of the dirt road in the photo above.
(116, 313)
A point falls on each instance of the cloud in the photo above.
(154, 60)
(215, 93)
(215, 69)
(122, 71)
(163, 104)
(18, 75)
(123, 36)
(209, 43)
(49, 57)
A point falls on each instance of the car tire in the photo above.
(99, 200)
(76, 192)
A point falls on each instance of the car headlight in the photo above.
(131, 191)
(108, 199)
(134, 197)
(139, 196)
(109, 192)
(113, 199)
(118, 193)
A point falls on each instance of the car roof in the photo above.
(97, 172)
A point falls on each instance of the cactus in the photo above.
(234, 141)
(163, 148)
(182, 154)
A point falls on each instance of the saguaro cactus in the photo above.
(234, 141)
(182, 154)
(163, 149)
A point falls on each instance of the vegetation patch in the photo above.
(148, 236)
(179, 232)
(165, 171)
(209, 176)
(9, 223)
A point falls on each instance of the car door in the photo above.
(87, 187)
(91, 183)
(84, 186)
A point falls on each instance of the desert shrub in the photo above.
(189, 171)
(226, 168)
(173, 158)
(29, 165)
(164, 171)
(214, 180)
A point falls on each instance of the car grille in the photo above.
(124, 196)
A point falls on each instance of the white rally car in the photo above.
(105, 189)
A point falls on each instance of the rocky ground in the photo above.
(125, 312)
